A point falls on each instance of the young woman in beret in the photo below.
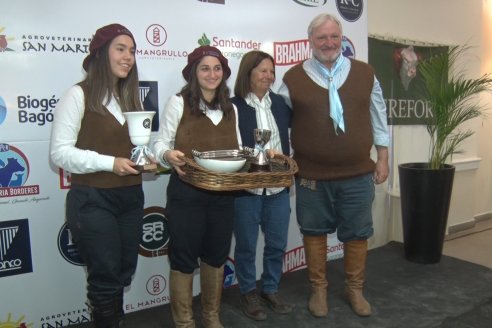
(200, 117)
(104, 207)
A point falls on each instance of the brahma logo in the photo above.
(14, 172)
(12, 323)
(351, 10)
(155, 232)
(291, 52)
(294, 52)
(15, 248)
(4, 41)
(3, 110)
(311, 3)
(295, 259)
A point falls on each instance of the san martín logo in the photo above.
(13, 323)
(294, 52)
(14, 172)
(55, 43)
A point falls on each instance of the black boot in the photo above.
(120, 311)
(105, 316)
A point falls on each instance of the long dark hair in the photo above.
(248, 63)
(192, 93)
(99, 83)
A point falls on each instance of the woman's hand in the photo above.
(272, 152)
(124, 166)
(175, 159)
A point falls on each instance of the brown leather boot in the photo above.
(315, 249)
(211, 281)
(181, 292)
(354, 259)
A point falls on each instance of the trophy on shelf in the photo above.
(139, 127)
(260, 162)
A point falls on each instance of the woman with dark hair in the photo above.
(199, 117)
(104, 207)
(259, 107)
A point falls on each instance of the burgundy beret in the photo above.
(103, 36)
(201, 52)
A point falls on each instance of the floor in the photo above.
(454, 293)
(472, 245)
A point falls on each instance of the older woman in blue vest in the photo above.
(268, 209)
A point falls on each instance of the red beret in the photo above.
(201, 52)
(103, 36)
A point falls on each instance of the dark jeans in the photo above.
(107, 226)
(200, 225)
(344, 206)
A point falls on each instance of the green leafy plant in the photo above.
(451, 97)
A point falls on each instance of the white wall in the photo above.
(449, 22)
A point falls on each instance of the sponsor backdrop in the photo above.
(42, 45)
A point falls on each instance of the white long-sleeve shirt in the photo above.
(66, 125)
(169, 122)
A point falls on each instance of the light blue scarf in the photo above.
(336, 108)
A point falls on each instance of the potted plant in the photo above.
(425, 188)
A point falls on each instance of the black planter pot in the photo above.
(425, 198)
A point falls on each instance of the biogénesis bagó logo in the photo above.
(14, 172)
(15, 248)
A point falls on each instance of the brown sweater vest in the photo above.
(319, 152)
(199, 133)
(105, 135)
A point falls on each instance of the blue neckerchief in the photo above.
(336, 108)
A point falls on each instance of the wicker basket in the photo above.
(281, 175)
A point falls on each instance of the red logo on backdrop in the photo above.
(294, 52)
(65, 179)
(291, 52)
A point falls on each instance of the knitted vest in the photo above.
(319, 152)
(105, 135)
(247, 120)
(199, 133)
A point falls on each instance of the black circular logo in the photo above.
(350, 10)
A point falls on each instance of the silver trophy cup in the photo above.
(139, 128)
(260, 162)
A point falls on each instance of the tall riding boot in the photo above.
(355, 254)
(211, 281)
(181, 292)
(315, 250)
